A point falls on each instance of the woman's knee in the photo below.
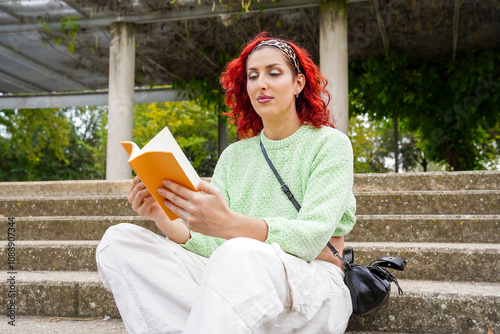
(119, 231)
(242, 255)
(116, 234)
(243, 248)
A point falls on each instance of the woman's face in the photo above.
(272, 85)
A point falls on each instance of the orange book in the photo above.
(161, 159)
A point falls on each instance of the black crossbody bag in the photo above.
(370, 286)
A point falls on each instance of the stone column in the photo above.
(121, 99)
(333, 58)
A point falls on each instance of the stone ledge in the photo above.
(426, 306)
(484, 202)
(436, 261)
(60, 294)
(426, 228)
(368, 228)
(72, 227)
(436, 307)
(37, 325)
(467, 180)
(432, 261)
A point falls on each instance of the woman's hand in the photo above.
(143, 202)
(205, 211)
(145, 205)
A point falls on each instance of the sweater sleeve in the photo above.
(328, 205)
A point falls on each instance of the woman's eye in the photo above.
(252, 76)
(274, 73)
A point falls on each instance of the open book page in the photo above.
(165, 142)
(162, 159)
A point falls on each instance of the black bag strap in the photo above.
(393, 263)
(289, 194)
(390, 262)
(284, 187)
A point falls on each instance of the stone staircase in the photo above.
(445, 224)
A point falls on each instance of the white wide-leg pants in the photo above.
(246, 286)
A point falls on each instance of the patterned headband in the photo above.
(287, 50)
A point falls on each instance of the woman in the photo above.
(242, 259)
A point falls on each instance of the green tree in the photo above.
(460, 126)
(50, 144)
(369, 144)
(27, 135)
(208, 93)
(450, 108)
(387, 89)
(194, 128)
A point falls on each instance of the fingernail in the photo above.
(161, 191)
(164, 182)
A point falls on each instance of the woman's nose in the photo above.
(262, 84)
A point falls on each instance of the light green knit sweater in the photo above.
(316, 164)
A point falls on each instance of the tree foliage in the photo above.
(49, 144)
(194, 128)
(450, 109)
(369, 144)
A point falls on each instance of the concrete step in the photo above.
(436, 261)
(452, 262)
(59, 325)
(472, 202)
(52, 255)
(436, 307)
(426, 306)
(391, 228)
(66, 206)
(469, 180)
(64, 188)
(63, 325)
(426, 228)
(72, 227)
(58, 294)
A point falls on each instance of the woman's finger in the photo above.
(179, 211)
(172, 197)
(146, 207)
(206, 187)
(178, 189)
(134, 190)
(134, 182)
(139, 198)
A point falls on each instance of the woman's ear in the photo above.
(300, 82)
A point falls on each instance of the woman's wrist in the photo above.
(245, 226)
(174, 230)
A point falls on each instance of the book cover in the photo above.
(161, 159)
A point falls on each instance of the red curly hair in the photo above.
(311, 107)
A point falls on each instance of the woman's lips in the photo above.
(264, 99)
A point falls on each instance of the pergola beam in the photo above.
(309, 28)
(381, 27)
(7, 10)
(76, 7)
(455, 28)
(18, 82)
(187, 13)
(50, 73)
(81, 99)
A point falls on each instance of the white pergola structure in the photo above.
(333, 64)
(103, 69)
